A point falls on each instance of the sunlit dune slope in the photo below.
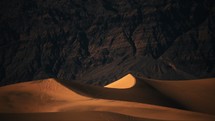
(127, 81)
(83, 102)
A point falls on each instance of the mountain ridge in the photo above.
(69, 39)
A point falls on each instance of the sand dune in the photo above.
(138, 100)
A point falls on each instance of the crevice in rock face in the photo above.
(128, 36)
(84, 43)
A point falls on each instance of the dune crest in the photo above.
(125, 82)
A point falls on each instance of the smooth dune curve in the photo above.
(197, 95)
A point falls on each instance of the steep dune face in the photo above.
(70, 38)
(83, 102)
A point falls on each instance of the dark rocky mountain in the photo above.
(98, 41)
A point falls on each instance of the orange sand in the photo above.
(138, 99)
(127, 81)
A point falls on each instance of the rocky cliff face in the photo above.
(97, 41)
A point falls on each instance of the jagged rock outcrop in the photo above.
(97, 41)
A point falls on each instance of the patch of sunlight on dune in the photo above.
(125, 82)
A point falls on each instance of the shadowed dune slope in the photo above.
(49, 100)
(196, 95)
